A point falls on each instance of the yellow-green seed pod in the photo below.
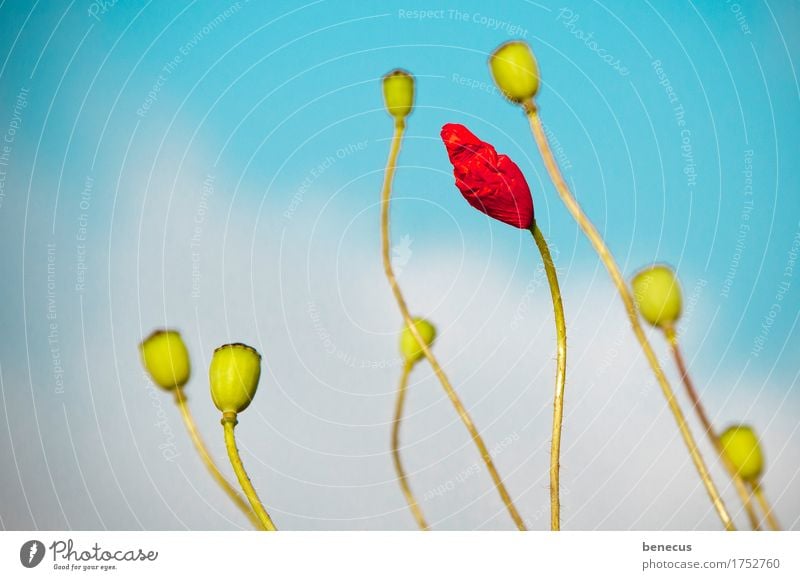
(515, 71)
(743, 450)
(657, 294)
(409, 347)
(166, 359)
(398, 93)
(233, 374)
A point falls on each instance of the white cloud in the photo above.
(316, 440)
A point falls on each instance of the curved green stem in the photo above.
(561, 373)
(212, 468)
(386, 193)
(398, 463)
(229, 423)
(607, 258)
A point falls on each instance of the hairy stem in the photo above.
(561, 371)
(627, 298)
(386, 193)
(212, 468)
(229, 423)
(398, 463)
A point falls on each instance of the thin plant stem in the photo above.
(386, 193)
(713, 436)
(202, 450)
(561, 372)
(627, 298)
(229, 423)
(398, 463)
(758, 491)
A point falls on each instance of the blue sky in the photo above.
(682, 150)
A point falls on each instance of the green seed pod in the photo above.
(515, 71)
(409, 347)
(166, 359)
(233, 374)
(743, 450)
(657, 294)
(398, 93)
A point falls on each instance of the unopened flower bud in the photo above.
(743, 450)
(657, 294)
(409, 347)
(398, 93)
(233, 374)
(514, 71)
(166, 359)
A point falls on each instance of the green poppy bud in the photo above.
(657, 294)
(515, 71)
(233, 374)
(398, 93)
(409, 347)
(743, 450)
(166, 359)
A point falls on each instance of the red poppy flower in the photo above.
(490, 183)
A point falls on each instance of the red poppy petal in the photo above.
(490, 183)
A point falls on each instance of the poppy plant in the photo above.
(398, 96)
(516, 74)
(233, 377)
(490, 182)
(743, 451)
(495, 185)
(657, 294)
(166, 359)
(412, 354)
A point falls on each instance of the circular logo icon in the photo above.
(31, 553)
